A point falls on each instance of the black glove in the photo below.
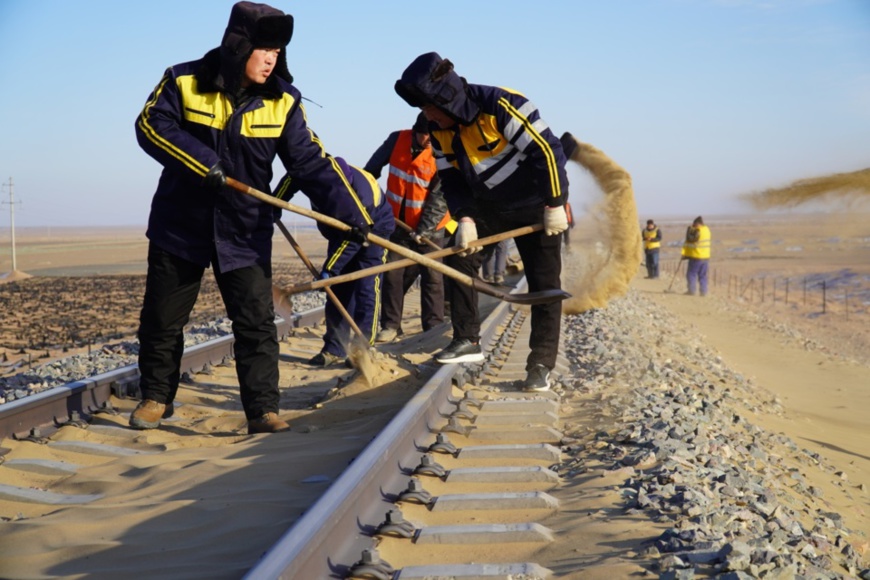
(216, 178)
(358, 234)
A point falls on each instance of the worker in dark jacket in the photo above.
(414, 193)
(361, 298)
(228, 114)
(501, 167)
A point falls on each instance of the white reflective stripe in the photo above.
(409, 178)
(394, 197)
(504, 172)
(408, 202)
(512, 128)
(442, 163)
(527, 137)
(488, 162)
(514, 125)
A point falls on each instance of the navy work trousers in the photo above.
(542, 262)
(171, 288)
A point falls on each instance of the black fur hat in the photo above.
(251, 26)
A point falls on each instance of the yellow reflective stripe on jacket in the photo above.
(552, 168)
(267, 121)
(336, 255)
(163, 143)
(699, 250)
(377, 198)
(209, 109)
(351, 190)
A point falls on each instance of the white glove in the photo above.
(555, 220)
(465, 234)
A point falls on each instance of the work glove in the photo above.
(324, 275)
(216, 177)
(358, 234)
(465, 234)
(555, 220)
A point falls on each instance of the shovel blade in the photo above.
(539, 297)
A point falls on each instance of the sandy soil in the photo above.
(819, 375)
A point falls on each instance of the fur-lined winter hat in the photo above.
(431, 80)
(253, 25)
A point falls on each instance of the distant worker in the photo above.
(696, 249)
(361, 298)
(501, 167)
(652, 242)
(414, 193)
(230, 113)
(495, 262)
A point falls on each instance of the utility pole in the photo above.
(11, 203)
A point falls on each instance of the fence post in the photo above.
(846, 304)
(786, 290)
(824, 297)
(773, 297)
(762, 290)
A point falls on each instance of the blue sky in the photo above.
(700, 100)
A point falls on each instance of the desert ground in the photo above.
(810, 359)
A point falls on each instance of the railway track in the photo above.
(415, 478)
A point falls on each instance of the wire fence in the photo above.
(843, 293)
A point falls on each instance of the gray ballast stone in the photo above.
(536, 418)
(542, 451)
(98, 449)
(528, 434)
(42, 466)
(526, 571)
(495, 501)
(484, 534)
(502, 474)
(30, 495)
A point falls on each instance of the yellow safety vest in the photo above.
(699, 250)
(649, 241)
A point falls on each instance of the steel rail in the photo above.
(43, 412)
(330, 537)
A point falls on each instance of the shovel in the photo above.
(405, 262)
(677, 271)
(530, 298)
(360, 337)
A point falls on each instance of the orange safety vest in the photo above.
(409, 179)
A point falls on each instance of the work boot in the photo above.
(537, 379)
(324, 359)
(498, 279)
(148, 413)
(460, 350)
(268, 423)
(387, 335)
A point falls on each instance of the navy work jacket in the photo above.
(188, 125)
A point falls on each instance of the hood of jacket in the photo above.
(251, 25)
(431, 80)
